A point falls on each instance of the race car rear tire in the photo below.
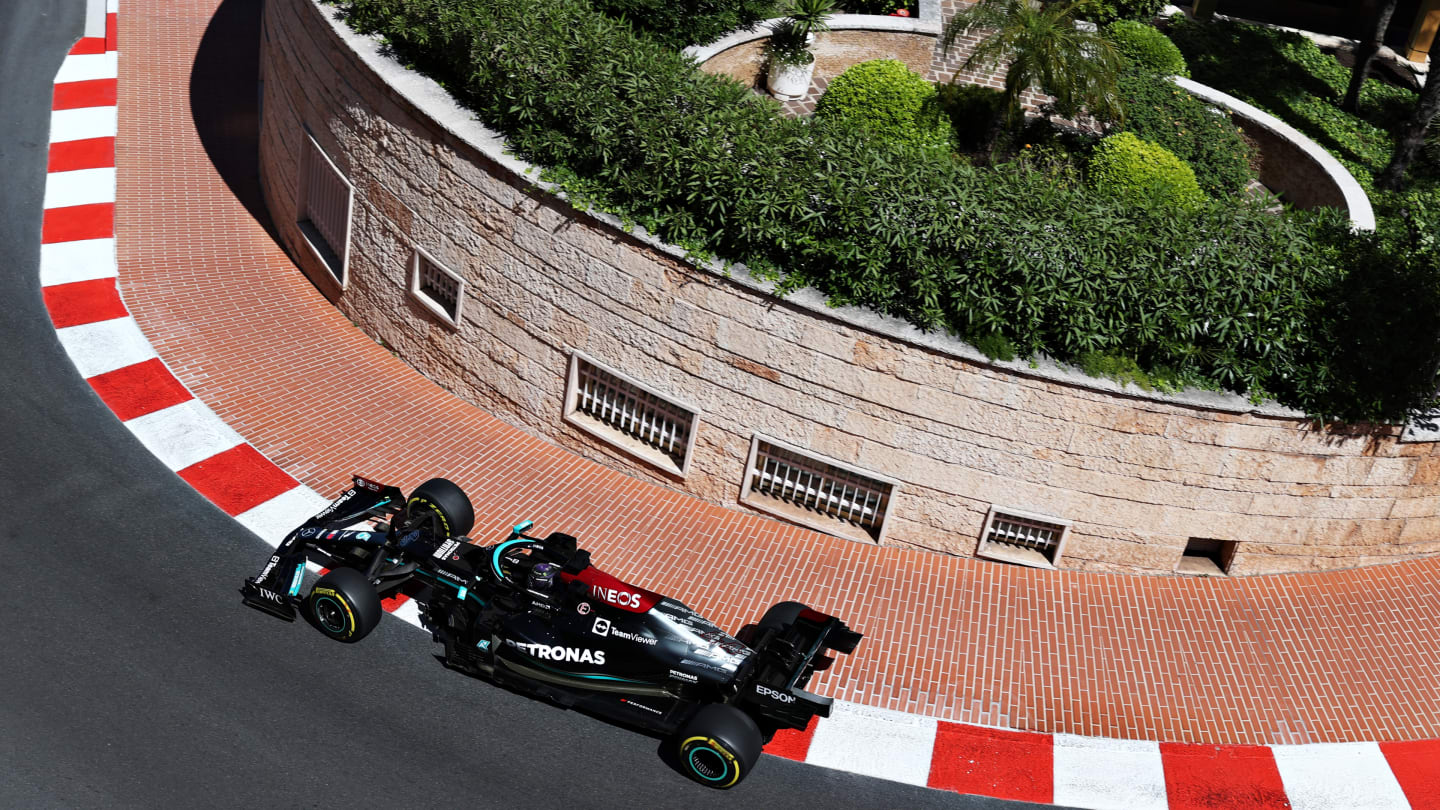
(447, 502)
(780, 615)
(719, 746)
(344, 605)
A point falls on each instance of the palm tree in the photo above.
(1365, 52)
(1040, 46)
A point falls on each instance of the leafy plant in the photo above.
(1040, 46)
(1108, 11)
(1126, 371)
(679, 23)
(786, 45)
(1143, 173)
(1158, 111)
(810, 16)
(994, 346)
(1146, 49)
(789, 42)
(887, 100)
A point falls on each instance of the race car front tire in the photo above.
(447, 503)
(719, 746)
(344, 605)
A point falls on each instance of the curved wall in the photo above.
(1137, 474)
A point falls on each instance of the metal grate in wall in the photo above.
(817, 486)
(325, 211)
(635, 412)
(440, 286)
(1024, 532)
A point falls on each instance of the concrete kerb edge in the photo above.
(432, 101)
(1362, 215)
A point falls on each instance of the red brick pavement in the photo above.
(1302, 658)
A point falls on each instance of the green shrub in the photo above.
(1158, 111)
(886, 100)
(972, 110)
(1391, 286)
(994, 346)
(1143, 173)
(1124, 370)
(1223, 294)
(679, 23)
(1105, 12)
(1145, 48)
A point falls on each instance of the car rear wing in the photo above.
(785, 659)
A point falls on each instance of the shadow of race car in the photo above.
(532, 614)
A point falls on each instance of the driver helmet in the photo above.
(542, 576)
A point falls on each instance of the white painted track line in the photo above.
(85, 122)
(184, 434)
(875, 742)
(86, 67)
(276, 517)
(1104, 774)
(80, 187)
(85, 260)
(1338, 776)
(96, 348)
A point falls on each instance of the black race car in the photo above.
(534, 615)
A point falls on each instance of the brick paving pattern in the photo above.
(1339, 656)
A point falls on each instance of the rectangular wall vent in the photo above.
(437, 287)
(816, 491)
(1207, 556)
(630, 415)
(1011, 535)
(326, 198)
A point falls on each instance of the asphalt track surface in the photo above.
(133, 677)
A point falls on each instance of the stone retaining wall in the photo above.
(1137, 474)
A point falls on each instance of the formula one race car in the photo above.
(534, 615)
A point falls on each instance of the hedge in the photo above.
(1225, 294)
(1143, 173)
(885, 99)
(679, 23)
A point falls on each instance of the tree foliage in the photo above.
(1039, 46)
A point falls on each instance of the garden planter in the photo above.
(790, 81)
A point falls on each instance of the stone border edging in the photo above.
(1362, 215)
(839, 22)
(427, 98)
